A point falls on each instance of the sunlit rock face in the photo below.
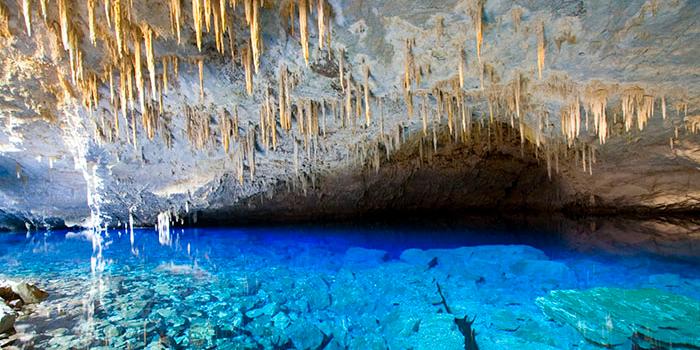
(312, 108)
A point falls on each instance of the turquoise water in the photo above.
(330, 288)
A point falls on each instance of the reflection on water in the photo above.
(376, 286)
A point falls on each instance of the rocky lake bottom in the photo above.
(324, 288)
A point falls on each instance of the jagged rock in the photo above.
(7, 318)
(612, 316)
(29, 293)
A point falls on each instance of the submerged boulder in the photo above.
(364, 258)
(611, 317)
(29, 293)
(7, 318)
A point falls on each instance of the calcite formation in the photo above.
(192, 107)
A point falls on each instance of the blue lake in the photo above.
(313, 287)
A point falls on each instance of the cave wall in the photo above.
(58, 166)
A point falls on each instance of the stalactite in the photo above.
(589, 156)
(107, 8)
(250, 152)
(296, 158)
(150, 56)
(118, 28)
(27, 12)
(232, 41)
(282, 83)
(409, 74)
(255, 38)
(197, 21)
(663, 107)
(461, 68)
(381, 118)
(540, 50)
(206, 6)
(164, 63)
(303, 29)
(517, 94)
(321, 18)
(225, 126)
(133, 130)
(91, 4)
(138, 73)
(122, 88)
(475, 10)
(175, 15)
(218, 31)
(348, 100)
(222, 12)
(341, 69)
(248, 9)
(130, 87)
(200, 66)
(368, 112)
(63, 20)
(42, 4)
(323, 119)
(424, 115)
(247, 64)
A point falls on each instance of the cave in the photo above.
(346, 174)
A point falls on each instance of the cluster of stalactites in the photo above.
(128, 43)
(597, 104)
(636, 103)
(571, 121)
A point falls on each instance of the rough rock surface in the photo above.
(29, 293)
(7, 318)
(613, 317)
(50, 159)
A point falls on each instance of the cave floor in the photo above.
(365, 288)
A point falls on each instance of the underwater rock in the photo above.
(7, 294)
(612, 317)
(362, 257)
(545, 272)
(268, 309)
(666, 280)
(438, 332)
(7, 318)
(305, 335)
(281, 321)
(30, 294)
(502, 342)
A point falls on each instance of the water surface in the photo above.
(311, 287)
